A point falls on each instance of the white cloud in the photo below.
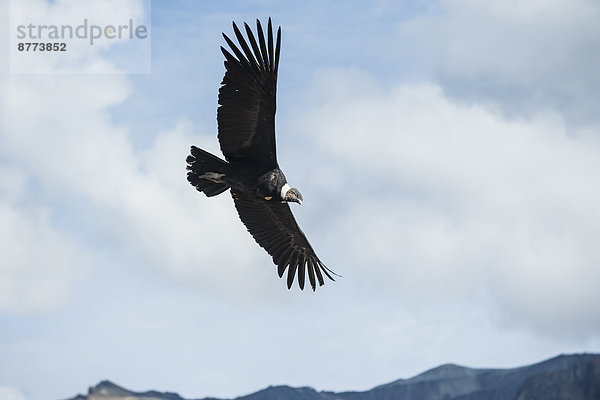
(39, 264)
(523, 56)
(140, 198)
(157, 218)
(82, 161)
(456, 201)
(10, 393)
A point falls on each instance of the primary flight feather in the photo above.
(246, 133)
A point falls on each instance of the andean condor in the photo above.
(246, 133)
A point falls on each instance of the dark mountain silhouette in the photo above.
(566, 377)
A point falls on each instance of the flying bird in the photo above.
(246, 133)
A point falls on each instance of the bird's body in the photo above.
(246, 122)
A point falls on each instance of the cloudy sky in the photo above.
(448, 153)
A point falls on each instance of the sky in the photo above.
(448, 153)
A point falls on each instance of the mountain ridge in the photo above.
(564, 377)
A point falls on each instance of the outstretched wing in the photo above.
(274, 228)
(246, 115)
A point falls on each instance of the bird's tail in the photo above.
(206, 172)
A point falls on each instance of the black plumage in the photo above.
(246, 133)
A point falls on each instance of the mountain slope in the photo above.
(566, 377)
(580, 381)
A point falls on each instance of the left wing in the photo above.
(274, 228)
(246, 116)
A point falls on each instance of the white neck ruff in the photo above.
(284, 190)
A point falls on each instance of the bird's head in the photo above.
(291, 194)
